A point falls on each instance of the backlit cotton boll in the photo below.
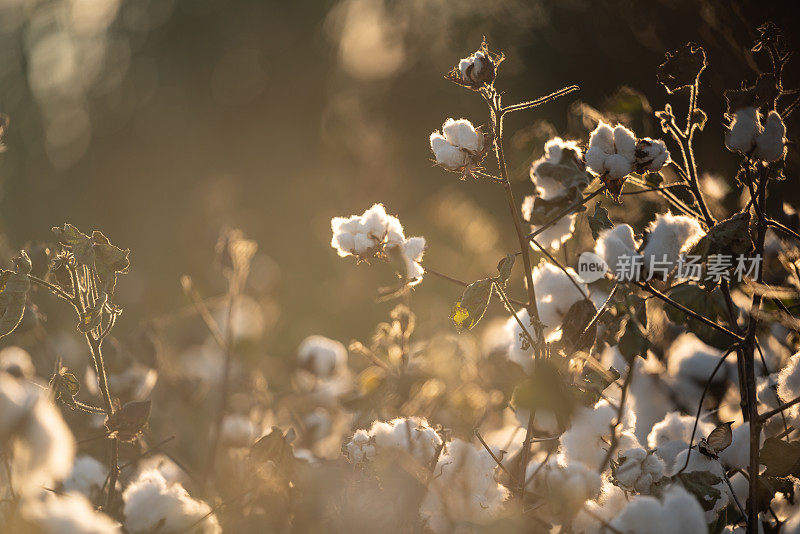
(678, 513)
(612, 151)
(637, 470)
(321, 356)
(651, 154)
(616, 244)
(668, 236)
(153, 505)
(548, 175)
(458, 146)
(69, 513)
(463, 490)
(771, 143)
(36, 440)
(411, 435)
(377, 234)
(477, 69)
(88, 476)
(746, 125)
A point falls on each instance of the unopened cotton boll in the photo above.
(463, 490)
(668, 236)
(462, 133)
(151, 504)
(771, 143)
(744, 129)
(35, 438)
(447, 155)
(614, 244)
(651, 154)
(321, 356)
(69, 513)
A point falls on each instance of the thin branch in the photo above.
(766, 415)
(539, 101)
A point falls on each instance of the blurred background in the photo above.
(161, 122)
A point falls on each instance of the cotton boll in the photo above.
(689, 358)
(676, 427)
(88, 476)
(412, 251)
(625, 143)
(771, 143)
(678, 513)
(744, 129)
(238, 431)
(618, 166)
(17, 362)
(153, 505)
(614, 244)
(70, 513)
(551, 184)
(602, 137)
(447, 155)
(36, 439)
(737, 455)
(557, 234)
(570, 486)
(462, 134)
(789, 379)
(638, 469)
(412, 436)
(516, 353)
(463, 490)
(596, 159)
(171, 471)
(669, 235)
(586, 440)
(669, 451)
(321, 355)
(651, 154)
(373, 221)
(555, 294)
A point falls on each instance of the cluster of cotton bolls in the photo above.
(637, 470)
(668, 236)
(459, 146)
(376, 233)
(558, 175)
(748, 136)
(616, 152)
(412, 436)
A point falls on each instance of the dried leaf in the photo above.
(127, 422)
(469, 310)
(599, 221)
(14, 286)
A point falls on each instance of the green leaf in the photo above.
(701, 484)
(545, 389)
(633, 342)
(469, 310)
(599, 221)
(594, 380)
(78, 242)
(575, 322)
(781, 458)
(505, 266)
(709, 305)
(14, 286)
